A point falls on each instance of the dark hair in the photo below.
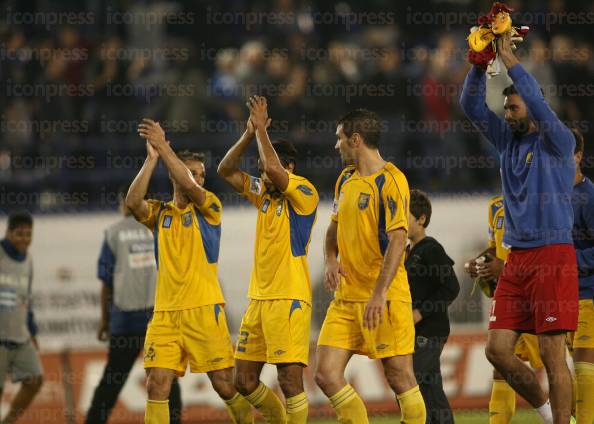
(286, 152)
(511, 89)
(579, 140)
(363, 122)
(420, 205)
(19, 218)
(187, 155)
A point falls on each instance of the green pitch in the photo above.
(522, 416)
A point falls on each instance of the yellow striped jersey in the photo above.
(366, 210)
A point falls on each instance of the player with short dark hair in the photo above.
(127, 270)
(19, 351)
(537, 291)
(371, 313)
(433, 286)
(188, 324)
(275, 327)
(583, 239)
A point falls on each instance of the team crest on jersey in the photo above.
(167, 221)
(187, 219)
(265, 205)
(364, 200)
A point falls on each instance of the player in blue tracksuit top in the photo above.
(537, 291)
(583, 239)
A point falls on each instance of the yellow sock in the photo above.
(584, 374)
(297, 409)
(269, 405)
(412, 407)
(502, 405)
(157, 412)
(240, 410)
(349, 407)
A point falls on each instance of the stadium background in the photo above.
(77, 75)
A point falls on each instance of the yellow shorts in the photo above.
(275, 331)
(527, 349)
(343, 328)
(584, 335)
(199, 336)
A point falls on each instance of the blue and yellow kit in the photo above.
(367, 209)
(189, 324)
(275, 328)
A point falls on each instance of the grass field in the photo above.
(523, 417)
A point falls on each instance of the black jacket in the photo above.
(433, 286)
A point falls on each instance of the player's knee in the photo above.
(246, 383)
(224, 386)
(400, 379)
(158, 386)
(495, 355)
(325, 378)
(291, 384)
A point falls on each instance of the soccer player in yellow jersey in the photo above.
(502, 405)
(275, 327)
(188, 325)
(371, 313)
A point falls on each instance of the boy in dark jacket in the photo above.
(433, 287)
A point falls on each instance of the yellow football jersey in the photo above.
(187, 251)
(496, 227)
(283, 232)
(366, 209)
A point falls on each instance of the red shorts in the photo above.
(537, 291)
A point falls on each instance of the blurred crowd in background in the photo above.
(77, 75)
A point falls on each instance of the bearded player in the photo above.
(275, 327)
(188, 324)
(502, 405)
(371, 313)
(537, 291)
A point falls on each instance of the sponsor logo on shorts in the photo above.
(215, 360)
(279, 352)
(150, 353)
(381, 346)
(550, 319)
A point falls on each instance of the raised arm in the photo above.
(473, 103)
(270, 161)
(135, 198)
(560, 138)
(392, 260)
(154, 134)
(229, 168)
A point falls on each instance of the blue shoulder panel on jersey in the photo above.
(380, 180)
(156, 233)
(211, 237)
(301, 226)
